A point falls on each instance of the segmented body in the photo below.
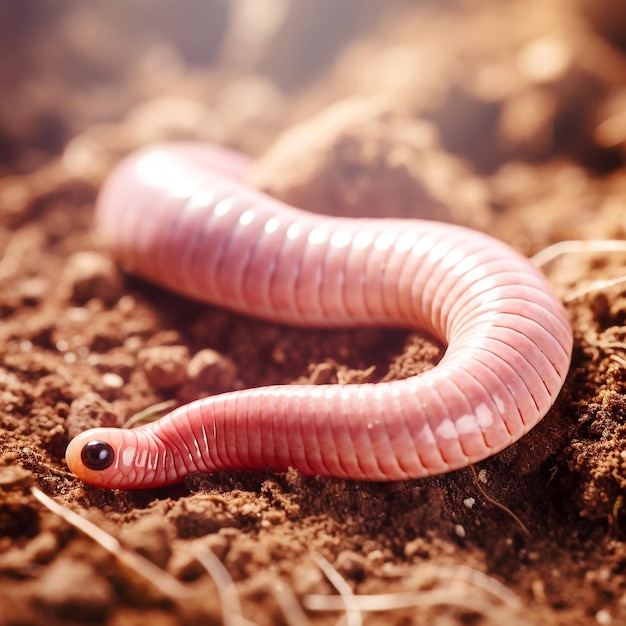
(179, 216)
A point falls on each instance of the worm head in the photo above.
(107, 457)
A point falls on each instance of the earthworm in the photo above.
(180, 215)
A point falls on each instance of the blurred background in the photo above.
(525, 79)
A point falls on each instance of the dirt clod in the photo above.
(209, 372)
(90, 275)
(89, 411)
(165, 366)
(70, 587)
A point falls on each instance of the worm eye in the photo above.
(97, 455)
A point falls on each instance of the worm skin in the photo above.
(178, 215)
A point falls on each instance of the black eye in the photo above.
(97, 455)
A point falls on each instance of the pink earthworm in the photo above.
(179, 215)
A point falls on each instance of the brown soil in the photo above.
(507, 116)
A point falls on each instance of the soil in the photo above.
(508, 117)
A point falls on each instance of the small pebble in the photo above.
(32, 290)
(603, 617)
(61, 345)
(78, 314)
(126, 303)
(165, 366)
(307, 578)
(351, 564)
(112, 381)
(90, 275)
(133, 343)
(210, 370)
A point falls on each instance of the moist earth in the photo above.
(506, 117)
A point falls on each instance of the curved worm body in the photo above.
(178, 215)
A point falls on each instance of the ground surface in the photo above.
(508, 117)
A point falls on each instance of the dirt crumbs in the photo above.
(508, 117)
